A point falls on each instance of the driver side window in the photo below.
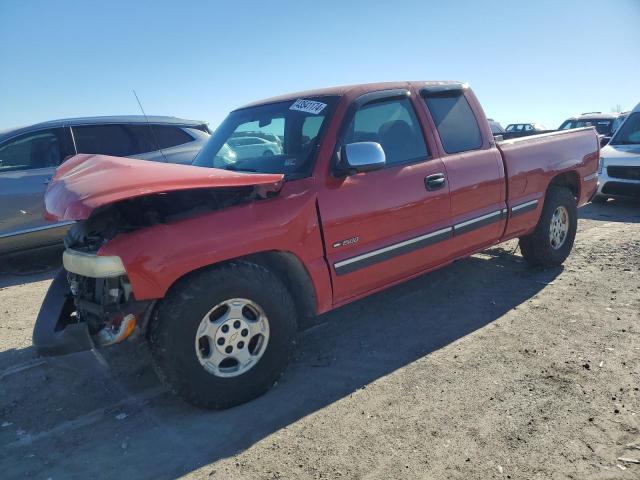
(392, 124)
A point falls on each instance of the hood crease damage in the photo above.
(117, 195)
(85, 183)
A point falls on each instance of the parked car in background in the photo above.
(217, 264)
(525, 127)
(29, 156)
(517, 130)
(271, 137)
(248, 147)
(619, 167)
(618, 121)
(605, 124)
(496, 128)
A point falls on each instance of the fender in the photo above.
(288, 223)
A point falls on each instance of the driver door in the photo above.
(385, 225)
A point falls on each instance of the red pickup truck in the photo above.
(297, 205)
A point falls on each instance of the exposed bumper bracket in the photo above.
(50, 337)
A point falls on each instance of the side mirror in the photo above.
(604, 141)
(361, 157)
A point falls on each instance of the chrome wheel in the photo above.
(232, 337)
(559, 227)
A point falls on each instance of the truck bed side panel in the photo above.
(531, 164)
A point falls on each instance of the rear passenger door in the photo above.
(382, 226)
(474, 168)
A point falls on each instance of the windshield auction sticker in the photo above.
(308, 106)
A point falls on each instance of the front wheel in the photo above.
(223, 336)
(552, 240)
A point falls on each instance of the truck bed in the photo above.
(529, 161)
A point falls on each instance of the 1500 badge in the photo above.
(348, 241)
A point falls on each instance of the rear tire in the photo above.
(186, 330)
(552, 240)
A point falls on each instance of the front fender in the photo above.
(156, 257)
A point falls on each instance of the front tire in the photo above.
(223, 336)
(551, 242)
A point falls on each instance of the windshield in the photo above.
(274, 138)
(629, 131)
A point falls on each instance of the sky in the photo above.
(527, 61)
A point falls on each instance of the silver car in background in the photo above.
(30, 155)
(619, 167)
(249, 147)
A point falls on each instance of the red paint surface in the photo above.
(380, 208)
(86, 182)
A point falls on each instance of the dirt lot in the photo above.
(485, 369)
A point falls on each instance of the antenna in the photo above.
(153, 134)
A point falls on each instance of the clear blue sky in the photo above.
(527, 60)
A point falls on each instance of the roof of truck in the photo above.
(340, 90)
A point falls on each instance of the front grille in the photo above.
(620, 188)
(628, 173)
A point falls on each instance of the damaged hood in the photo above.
(86, 182)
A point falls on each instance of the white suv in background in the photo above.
(619, 168)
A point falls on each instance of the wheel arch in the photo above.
(286, 265)
(569, 179)
(294, 275)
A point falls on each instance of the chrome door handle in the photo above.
(435, 181)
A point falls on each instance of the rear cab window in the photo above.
(455, 121)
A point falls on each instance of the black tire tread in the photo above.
(536, 248)
(172, 308)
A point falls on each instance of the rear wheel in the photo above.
(223, 336)
(552, 240)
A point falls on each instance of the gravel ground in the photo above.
(484, 369)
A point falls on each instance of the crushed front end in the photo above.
(89, 304)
